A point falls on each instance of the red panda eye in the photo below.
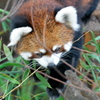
(39, 54)
(57, 50)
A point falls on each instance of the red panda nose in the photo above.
(51, 65)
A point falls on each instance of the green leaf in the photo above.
(87, 67)
(43, 80)
(97, 89)
(88, 60)
(0, 44)
(91, 66)
(8, 88)
(8, 53)
(11, 72)
(61, 98)
(4, 25)
(26, 74)
(5, 76)
(94, 56)
(97, 38)
(7, 64)
(3, 11)
(26, 87)
(95, 42)
(0, 47)
(39, 96)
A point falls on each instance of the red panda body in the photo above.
(47, 30)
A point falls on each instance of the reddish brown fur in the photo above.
(55, 33)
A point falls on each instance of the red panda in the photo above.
(47, 30)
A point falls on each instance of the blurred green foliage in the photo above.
(5, 23)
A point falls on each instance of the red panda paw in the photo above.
(53, 93)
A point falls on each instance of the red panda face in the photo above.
(46, 47)
(49, 35)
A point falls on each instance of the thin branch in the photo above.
(58, 79)
(20, 83)
(14, 8)
(5, 9)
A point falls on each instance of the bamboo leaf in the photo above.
(28, 88)
(8, 53)
(43, 80)
(7, 64)
(5, 76)
(3, 11)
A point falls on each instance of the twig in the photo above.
(21, 83)
(58, 79)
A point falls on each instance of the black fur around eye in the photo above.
(39, 54)
(57, 50)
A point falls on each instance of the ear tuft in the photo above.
(68, 16)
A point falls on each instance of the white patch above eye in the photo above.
(55, 47)
(42, 51)
(68, 16)
(36, 52)
(17, 33)
(68, 46)
(26, 55)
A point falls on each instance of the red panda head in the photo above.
(50, 34)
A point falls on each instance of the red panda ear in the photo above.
(68, 16)
(17, 33)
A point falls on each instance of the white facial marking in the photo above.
(68, 16)
(55, 58)
(17, 33)
(26, 55)
(68, 46)
(45, 60)
(55, 47)
(36, 52)
(42, 51)
(42, 61)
